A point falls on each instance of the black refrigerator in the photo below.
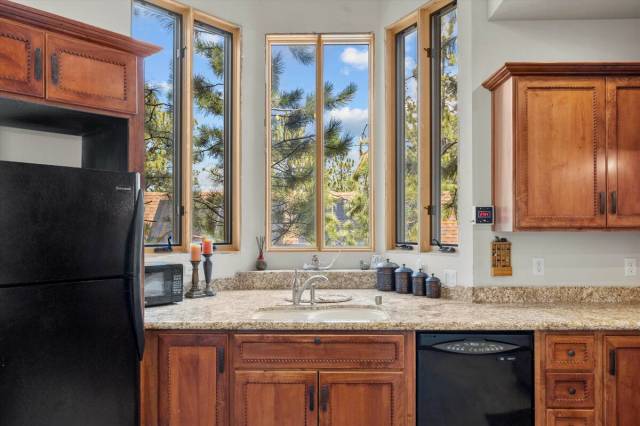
(71, 319)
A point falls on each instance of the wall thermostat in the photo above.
(483, 215)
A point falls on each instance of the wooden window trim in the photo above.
(189, 17)
(319, 40)
(421, 18)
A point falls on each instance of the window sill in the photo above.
(433, 251)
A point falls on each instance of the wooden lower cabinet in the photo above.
(622, 381)
(285, 379)
(363, 398)
(275, 398)
(587, 379)
(184, 379)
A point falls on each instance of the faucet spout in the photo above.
(298, 290)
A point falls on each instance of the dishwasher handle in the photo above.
(473, 346)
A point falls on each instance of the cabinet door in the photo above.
(275, 398)
(192, 382)
(362, 399)
(623, 151)
(21, 59)
(622, 381)
(560, 153)
(86, 74)
(570, 418)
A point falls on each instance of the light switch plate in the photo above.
(450, 277)
(538, 266)
(630, 267)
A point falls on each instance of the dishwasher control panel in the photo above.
(469, 346)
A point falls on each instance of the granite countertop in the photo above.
(233, 310)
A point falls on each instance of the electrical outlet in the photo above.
(630, 267)
(538, 266)
(450, 277)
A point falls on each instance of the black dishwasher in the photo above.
(475, 379)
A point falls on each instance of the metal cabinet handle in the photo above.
(54, 69)
(571, 353)
(324, 397)
(602, 202)
(37, 64)
(614, 202)
(572, 391)
(312, 397)
(221, 359)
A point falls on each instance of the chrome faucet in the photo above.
(297, 290)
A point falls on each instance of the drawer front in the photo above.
(570, 418)
(318, 351)
(570, 352)
(90, 75)
(565, 390)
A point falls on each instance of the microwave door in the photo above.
(155, 285)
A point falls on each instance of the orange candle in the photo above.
(207, 246)
(195, 252)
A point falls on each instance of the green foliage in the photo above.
(293, 164)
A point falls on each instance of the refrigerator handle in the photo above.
(135, 260)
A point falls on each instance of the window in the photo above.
(162, 122)
(422, 129)
(445, 130)
(318, 142)
(191, 125)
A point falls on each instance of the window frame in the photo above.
(421, 18)
(190, 17)
(320, 40)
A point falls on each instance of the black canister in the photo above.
(403, 279)
(433, 287)
(385, 280)
(418, 282)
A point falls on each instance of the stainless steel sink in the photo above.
(343, 313)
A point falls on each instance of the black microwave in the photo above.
(162, 284)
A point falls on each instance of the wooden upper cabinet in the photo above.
(21, 59)
(275, 398)
(565, 146)
(192, 380)
(623, 151)
(622, 386)
(362, 399)
(560, 153)
(90, 75)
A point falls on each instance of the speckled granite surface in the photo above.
(282, 279)
(233, 310)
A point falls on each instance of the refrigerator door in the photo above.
(63, 223)
(68, 355)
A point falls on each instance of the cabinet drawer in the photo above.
(570, 352)
(570, 418)
(318, 351)
(566, 390)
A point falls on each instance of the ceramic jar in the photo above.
(385, 280)
(403, 279)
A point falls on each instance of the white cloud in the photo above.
(353, 119)
(359, 59)
(409, 63)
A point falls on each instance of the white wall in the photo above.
(31, 146)
(571, 257)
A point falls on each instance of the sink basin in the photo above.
(343, 313)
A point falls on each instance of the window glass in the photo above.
(407, 137)
(293, 145)
(346, 145)
(447, 127)
(161, 129)
(211, 68)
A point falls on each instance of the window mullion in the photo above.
(187, 131)
(319, 147)
(424, 131)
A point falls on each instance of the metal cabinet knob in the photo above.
(316, 340)
(571, 353)
(572, 391)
